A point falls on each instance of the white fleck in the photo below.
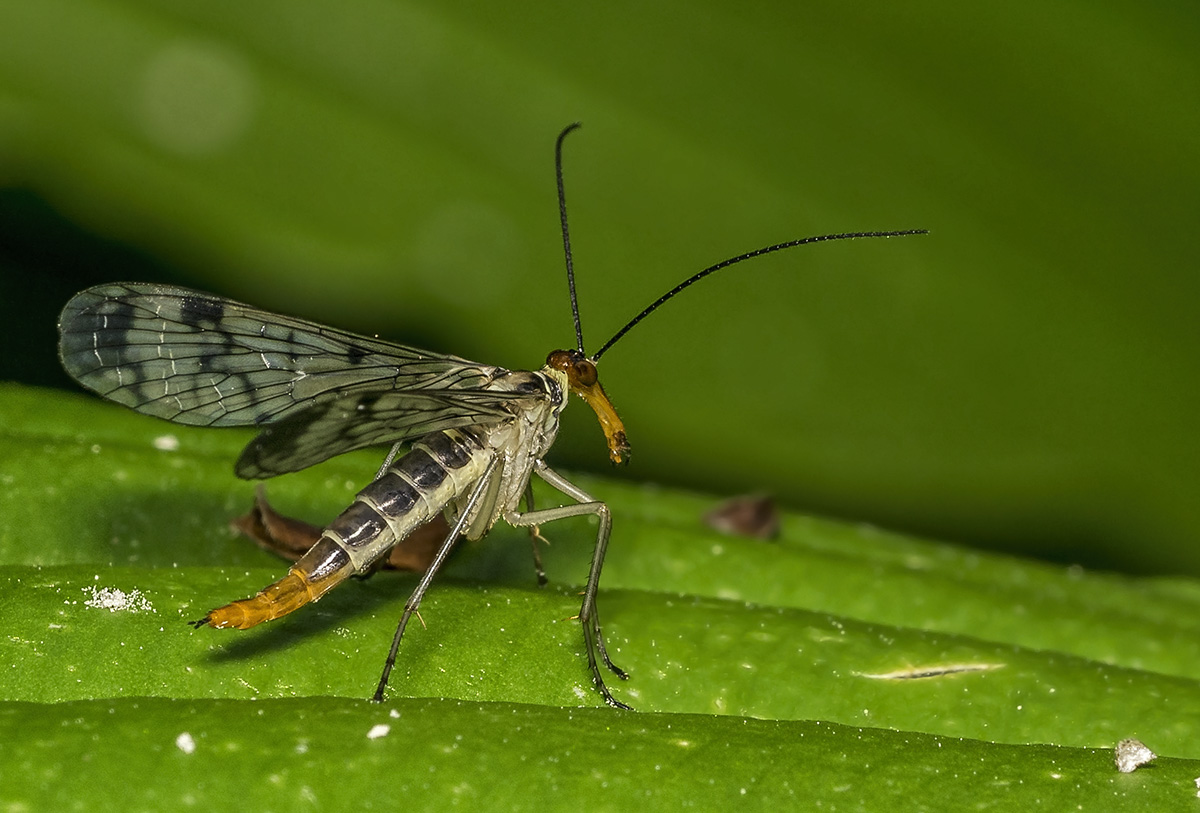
(116, 601)
(1131, 754)
(394, 714)
(926, 672)
(185, 743)
(166, 443)
(379, 730)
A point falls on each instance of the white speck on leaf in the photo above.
(185, 743)
(1131, 754)
(118, 601)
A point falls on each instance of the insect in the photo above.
(476, 434)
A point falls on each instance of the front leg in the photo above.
(589, 617)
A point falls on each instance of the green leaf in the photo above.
(732, 645)
(1022, 377)
(280, 754)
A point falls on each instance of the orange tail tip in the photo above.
(289, 593)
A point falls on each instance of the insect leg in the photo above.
(387, 461)
(535, 536)
(414, 601)
(589, 618)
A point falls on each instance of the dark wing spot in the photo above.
(194, 310)
(116, 317)
(367, 402)
(355, 354)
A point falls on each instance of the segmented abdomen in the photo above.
(440, 467)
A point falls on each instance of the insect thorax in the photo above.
(539, 398)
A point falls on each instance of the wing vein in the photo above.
(317, 391)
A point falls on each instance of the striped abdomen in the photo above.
(441, 466)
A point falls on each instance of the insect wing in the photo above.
(361, 420)
(199, 359)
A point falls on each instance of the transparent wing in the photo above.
(203, 360)
(356, 422)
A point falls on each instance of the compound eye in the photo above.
(580, 370)
(584, 372)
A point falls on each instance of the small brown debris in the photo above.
(751, 515)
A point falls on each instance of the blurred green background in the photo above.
(1023, 378)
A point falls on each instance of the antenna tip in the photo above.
(575, 125)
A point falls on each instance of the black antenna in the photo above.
(725, 264)
(562, 214)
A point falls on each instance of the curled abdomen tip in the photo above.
(289, 593)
